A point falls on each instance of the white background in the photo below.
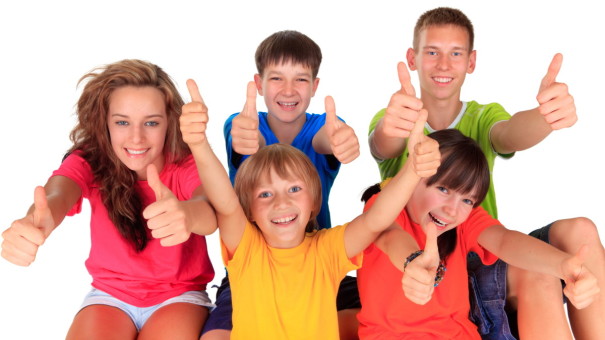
(46, 46)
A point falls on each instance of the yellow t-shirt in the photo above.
(287, 293)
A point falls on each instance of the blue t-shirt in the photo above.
(327, 165)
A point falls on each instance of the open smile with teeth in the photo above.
(287, 105)
(443, 80)
(136, 152)
(437, 221)
(284, 220)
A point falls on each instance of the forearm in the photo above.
(524, 251)
(213, 176)
(321, 143)
(200, 216)
(522, 131)
(383, 146)
(392, 199)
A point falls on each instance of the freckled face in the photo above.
(137, 124)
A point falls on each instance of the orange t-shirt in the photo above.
(387, 314)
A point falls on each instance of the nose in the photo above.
(281, 201)
(451, 206)
(443, 63)
(288, 88)
(137, 134)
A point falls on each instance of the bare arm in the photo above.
(525, 129)
(396, 244)
(335, 137)
(229, 213)
(51, 204)
(528, 253)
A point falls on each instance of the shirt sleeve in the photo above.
(469, 232)
(78, 170)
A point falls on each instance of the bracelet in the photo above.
(440, 270)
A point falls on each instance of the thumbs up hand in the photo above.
(194, 117)
(244, 130)
(403, 108)
(556, 104)
(166, 217)
(581, 286)
(342, 138)
(424, 151)
(26, 235)
(418, 280)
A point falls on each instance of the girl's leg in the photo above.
(175, 321)
(102, 322)
(348, 324)
(569, 236)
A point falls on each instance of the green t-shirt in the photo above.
(475, 121)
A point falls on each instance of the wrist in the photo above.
(440, 269)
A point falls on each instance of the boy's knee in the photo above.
(570, 234)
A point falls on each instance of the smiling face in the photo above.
(281, 209)
(442, 59)
(288, 88)
(137, 126)
(444, 207)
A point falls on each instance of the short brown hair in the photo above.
(288, 46)
(288, 162)
(442, 16)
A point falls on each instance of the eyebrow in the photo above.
(146, 117)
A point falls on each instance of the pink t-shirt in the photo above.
(155, 274)
(387, 314)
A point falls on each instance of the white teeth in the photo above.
(136, 152)
(442, 80)
(437, 221)
(287, 104)
(284, 219)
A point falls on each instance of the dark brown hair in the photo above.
(288, 46)
(288, 162)
(91, 137)
(443, 16)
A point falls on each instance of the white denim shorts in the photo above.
(139, 315)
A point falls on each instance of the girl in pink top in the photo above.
(148, 258)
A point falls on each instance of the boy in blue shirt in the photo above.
(443, 54)
(288, 63)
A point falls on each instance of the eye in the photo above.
(456, 54)
(295, 189)
(468, 201)
(121, 122)
(442, 189)
(275, 78)
(432, 53)
(264, 194)
(302, 79)
(152, 123)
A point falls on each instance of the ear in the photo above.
(411, 59)
(472, 62)
(258, 80)
(315, 85)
